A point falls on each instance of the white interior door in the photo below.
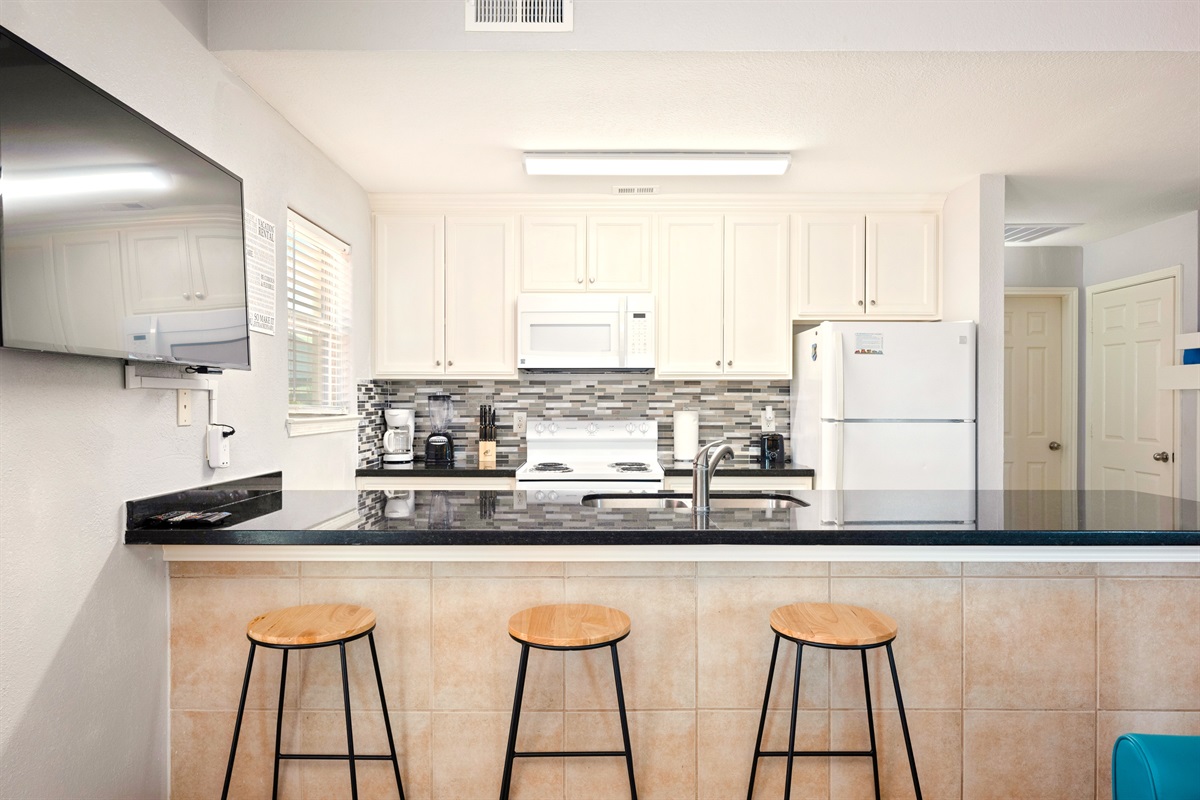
(1033, 375)
(1131, 421)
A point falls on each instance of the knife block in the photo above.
(487, 454)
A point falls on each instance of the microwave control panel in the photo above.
(641, 334)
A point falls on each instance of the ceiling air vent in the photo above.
(1023, 233)
(632, 190)
(520, 15)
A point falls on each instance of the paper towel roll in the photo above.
(686, 429)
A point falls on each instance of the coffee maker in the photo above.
(439, 445)
(398, 438)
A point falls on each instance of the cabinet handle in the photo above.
(199, 295)
(860, 302)
(187, 295)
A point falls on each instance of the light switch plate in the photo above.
(767, 419)
(518, 422)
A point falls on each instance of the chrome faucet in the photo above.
(703, 468)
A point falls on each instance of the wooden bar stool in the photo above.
(567, 627)
(833, 627)
(305, 628)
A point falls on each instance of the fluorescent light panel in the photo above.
(91, 181)
(652, 162)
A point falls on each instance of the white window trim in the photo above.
(312, 424)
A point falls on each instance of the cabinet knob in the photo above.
(437, 363)
(579, 280)
(860, 302)
(591, 280)
(199, 295)
(718, 362)
(187, 295)
(449, 363)
(872, 302)
(729, 363)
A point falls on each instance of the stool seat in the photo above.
(833, 624)
(314, 624)
(568, 625)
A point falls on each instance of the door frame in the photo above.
(1175, 273)
(1068, 296)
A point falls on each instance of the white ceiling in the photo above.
(1110, 139)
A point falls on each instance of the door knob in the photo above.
(1055, 446)
(1164, 456)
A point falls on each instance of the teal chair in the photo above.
(1148, 767)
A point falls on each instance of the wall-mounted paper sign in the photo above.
(260, 273)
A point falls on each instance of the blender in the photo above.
(439, 445)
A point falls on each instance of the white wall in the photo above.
(83, 649)
(1043, 266)
(973, 288)
(1164, 244)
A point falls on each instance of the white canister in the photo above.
(686, 429)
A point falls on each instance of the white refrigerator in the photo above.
(887, 406)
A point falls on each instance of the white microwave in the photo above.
(585, 331)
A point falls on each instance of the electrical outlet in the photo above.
(518, 422)
(183, 407)
(767, 420)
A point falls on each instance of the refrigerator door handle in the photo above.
(839, 387)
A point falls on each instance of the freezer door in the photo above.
(897, 370)
(897, 455)
(916, 510)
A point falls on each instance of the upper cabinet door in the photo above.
(30, 312)
(619, 255)
(902, 265)
(553, 253)
(827, 264)
(758, 321)
(87, 269)
(690, 270)
(217, 265)
(481, 296)
(157, 275)
(409, 295)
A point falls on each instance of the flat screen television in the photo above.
(116, 238)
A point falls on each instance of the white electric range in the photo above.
(567, 459)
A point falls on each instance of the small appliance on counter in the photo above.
(398, 438)
(487, 436)
(770, 450)
(439, 445)
(685, 431)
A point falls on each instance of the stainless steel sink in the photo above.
(683, 502)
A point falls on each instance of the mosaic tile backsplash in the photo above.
(727, 409)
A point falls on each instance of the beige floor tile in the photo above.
(325, 732)
(200, 743)
(767, 569)
(1032, 755)
(1032, 569)
(928, 647)
(937, 749)
(658, 659)
(475, 660)
(1029, 643)
(887, 569)
(1149, 644)
(664, 755)
(629, 569)
(365, 569)
(497, 569)
(468, 755)
(402, 636)
(1111, 724)
(725, 750)
(229, 569)
(209, 645)
(734, 639)
(1165, 569)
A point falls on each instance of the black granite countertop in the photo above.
(263, 513)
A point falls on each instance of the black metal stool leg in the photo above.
(912, 762)
(387, 723)
(279, 725)
(349, 727)
(624, 723)
(512, 728)
(870, 722)
(237, 726)
(787, 786)
(762, 721)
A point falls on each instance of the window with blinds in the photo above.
(318, 305)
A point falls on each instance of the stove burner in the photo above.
(551, 466)
(630, 466)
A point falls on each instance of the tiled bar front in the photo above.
(1017, 677)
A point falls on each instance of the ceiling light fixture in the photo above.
(656, 162)
(103, 180)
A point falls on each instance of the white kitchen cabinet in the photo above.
(587, 252)
(182, 268)
(758, 482)
(723, 296)
(87, 282)
(854, 265)
(30, 311)
(445, 296)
